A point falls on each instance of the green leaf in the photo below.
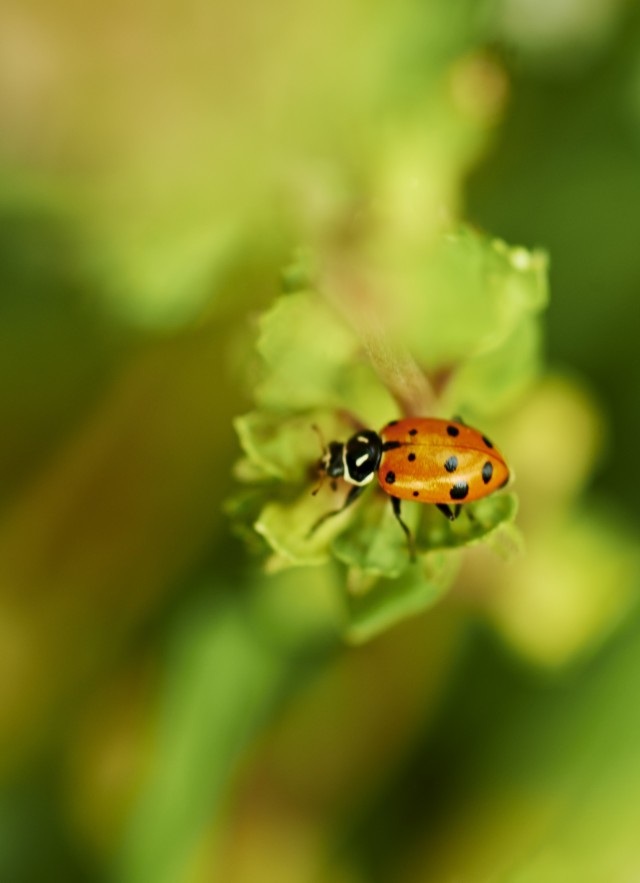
(389, 601)
(466, 297)
(299, 274)
(247, 472)
(373, 546)
(476, 522)
(305, 348)
(243, 508)
(492, 382)
(286, 448)
(286, 526)
(312, 360)
(374, 542)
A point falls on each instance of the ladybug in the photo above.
(424, 459)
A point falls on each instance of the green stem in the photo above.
(352, 296)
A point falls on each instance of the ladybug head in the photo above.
(332, 462)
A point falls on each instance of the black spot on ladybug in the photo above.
(451, 464)
(459, 491)
(390, 445)
(411, 457)
(487, 472)
(453, 430)
(416, 493)
(413, 432)
(390, 477)
(486, 441)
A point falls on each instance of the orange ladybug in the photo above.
(424, 459)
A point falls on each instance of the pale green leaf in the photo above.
(286, 527)
(375, 542)
(476, 522)
(466, 297)
(305, 348)
(286, 448)
(493, 381)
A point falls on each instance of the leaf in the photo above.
(305, 348)
(374, 543)
(243, 508)
(246, 471)
(476, 522)
(389, 601)
(286, 448)
(373, 546)
(466, 297)
(286, 526)
(492, 382)
(298, 275)
(312, 360)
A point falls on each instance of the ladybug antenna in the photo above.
(318, 432)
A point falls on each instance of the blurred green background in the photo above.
(167, 711)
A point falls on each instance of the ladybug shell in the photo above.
(438, 461)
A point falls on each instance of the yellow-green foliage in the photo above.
(219, 224)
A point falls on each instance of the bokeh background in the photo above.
(167, 711)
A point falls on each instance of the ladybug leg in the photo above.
(351, 497)
(395, 505)
(448, 512)
(458, 419)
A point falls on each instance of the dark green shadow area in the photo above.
(564, 175)
(58, 348)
